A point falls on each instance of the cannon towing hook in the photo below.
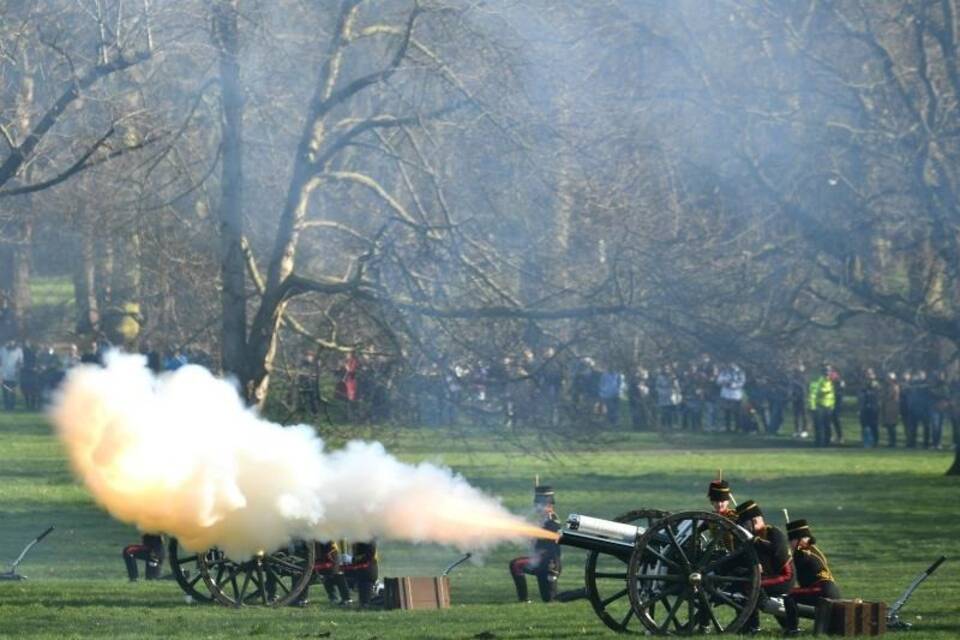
(12, 573)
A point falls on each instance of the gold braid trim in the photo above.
(824, 573)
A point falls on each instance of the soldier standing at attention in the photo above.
(363, 570)
(328, 568)
(544, 562)
(773, 551)
(720, 497)
(814, 579)
(151, 550)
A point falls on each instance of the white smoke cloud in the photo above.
(181, 454)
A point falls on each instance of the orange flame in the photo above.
(507, 527)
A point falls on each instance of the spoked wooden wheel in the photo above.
(693, 572)
(272, 579)
(185, 566)
(606, 579)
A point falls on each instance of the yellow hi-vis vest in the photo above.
(821, 394)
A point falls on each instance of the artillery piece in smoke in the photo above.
(651, 572)
(269, 579)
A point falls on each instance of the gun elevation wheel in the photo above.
(185, 566)
(605, 576)
(272, 579)
(693, 572)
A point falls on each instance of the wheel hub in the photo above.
(695, 579)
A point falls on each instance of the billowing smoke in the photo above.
(181, 454)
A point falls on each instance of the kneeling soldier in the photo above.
(773, 551)
(544, 562)
(813, 575)
(151, 550)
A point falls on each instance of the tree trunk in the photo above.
(103, 262)
(954, 470)
(21, 275)
(233, 338)
(84, 285)
(23, 225)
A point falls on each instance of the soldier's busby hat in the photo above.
(798, 529)
(718, 490)
(543, 494)
(747, 511)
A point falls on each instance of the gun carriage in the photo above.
(669, 574)
(268, 579)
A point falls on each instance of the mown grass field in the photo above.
(881, 517)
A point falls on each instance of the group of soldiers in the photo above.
(792, 566)
(337, 572)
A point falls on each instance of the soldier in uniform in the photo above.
(721, 499)
(329, 568)
(150, 550)
(773, 551)
(544, 562)
(814, 579)
(363, 570)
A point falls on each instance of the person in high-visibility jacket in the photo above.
(821, 400)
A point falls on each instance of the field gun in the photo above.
(651, 572)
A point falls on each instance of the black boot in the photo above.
(521, 583)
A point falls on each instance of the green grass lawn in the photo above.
(880, 516)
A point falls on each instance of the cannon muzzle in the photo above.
(600, 528)
(603, 536)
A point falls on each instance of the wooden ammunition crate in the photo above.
(416, 593)
(850, 618)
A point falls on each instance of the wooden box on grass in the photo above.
(850, 618)
(416, 593)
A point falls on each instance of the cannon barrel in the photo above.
(600, 528)
(617, 548)
(603, 536)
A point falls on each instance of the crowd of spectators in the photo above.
(544, 390)
(31, 372)
(549, 389)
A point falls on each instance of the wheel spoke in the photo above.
(618, 576)
(707, 552)
(195, 580)
(216, 563)
(662, 558)
(730, 557)
(286, 564)
(619, 594)
(706, 606)
(655, 599)
(675, 543)
(263, 587)
(278, 580)
(723, 596)
(626, 619)
(695, 542)
(653, 577)
(246, 581)
(236, 590)
(671, 614)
